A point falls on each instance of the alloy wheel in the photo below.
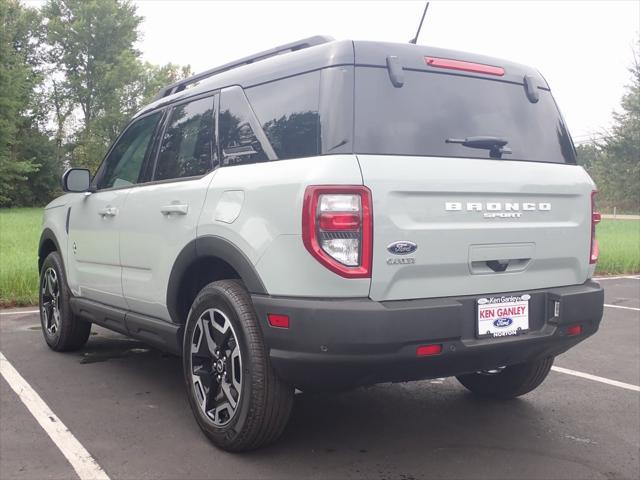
(50, 292)
(216, 366)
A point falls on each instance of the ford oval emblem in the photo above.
(402, 248)
(502, 322)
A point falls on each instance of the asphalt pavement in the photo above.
(125, 404)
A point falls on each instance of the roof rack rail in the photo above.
(288, 47)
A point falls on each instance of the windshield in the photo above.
(419, 117)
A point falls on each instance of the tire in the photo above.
(237, 399)
(63, 331)
(510, 382)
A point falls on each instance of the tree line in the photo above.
(613, 160)
(70, 78)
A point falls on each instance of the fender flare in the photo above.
(47, 235)
(210, 246)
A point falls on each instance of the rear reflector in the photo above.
(339, 221)
(464, 66)
(574, 330)
(426, 350)
(278, 321)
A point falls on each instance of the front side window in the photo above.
(237, 132)
(188, 142)
(123, 165)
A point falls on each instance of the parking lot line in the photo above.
(623, 307)
(635, 309)
(595, 378)
(22, 312)
(629, 277)
(79, 458)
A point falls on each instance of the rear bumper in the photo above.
(335, 343)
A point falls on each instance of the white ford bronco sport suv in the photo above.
(329, 214)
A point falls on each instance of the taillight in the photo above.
(595, 219)
(337, 228)
(451, 64)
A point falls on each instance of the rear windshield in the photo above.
(419, 117)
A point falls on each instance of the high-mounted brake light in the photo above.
(337, 228)
(596, 217)
(464, 66)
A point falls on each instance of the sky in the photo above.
(582, 48)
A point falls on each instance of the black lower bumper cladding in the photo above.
(340, 343)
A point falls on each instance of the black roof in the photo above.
(319, 52)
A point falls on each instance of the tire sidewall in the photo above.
(215, 297)
(54, 261)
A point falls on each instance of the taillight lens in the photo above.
(595, 219)
(337, 228)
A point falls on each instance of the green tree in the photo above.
(614, 162)
(20, 105)
(92, 46)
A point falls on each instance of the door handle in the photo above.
(108, 212)
(175, 209)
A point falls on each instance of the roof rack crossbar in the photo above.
(289, 47)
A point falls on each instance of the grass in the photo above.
(619, 246)
(20, 232)
(19, 236)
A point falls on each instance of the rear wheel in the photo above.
(237, 399)
(63, 331)
(508, 382)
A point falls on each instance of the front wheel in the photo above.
(237, 399)
(62, 329)
(508, 382)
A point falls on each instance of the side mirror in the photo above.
(76, 180)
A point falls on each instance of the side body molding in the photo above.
(210, 246)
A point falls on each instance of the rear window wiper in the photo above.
(495, 145)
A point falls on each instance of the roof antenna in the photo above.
(415, 39)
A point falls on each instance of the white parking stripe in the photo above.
(19, 313)
(620, 306)
(81, 460)
(595, 378)
(629, 277)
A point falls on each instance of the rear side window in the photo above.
(418, 118)
(238, 130)
(188, 142)
(288, 112)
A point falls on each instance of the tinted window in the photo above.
(430, 108)
(187, 144)
(288, 112)
(238, 139)
(122, 166)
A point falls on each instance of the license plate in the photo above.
(503, 316)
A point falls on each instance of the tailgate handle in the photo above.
(497, 265)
